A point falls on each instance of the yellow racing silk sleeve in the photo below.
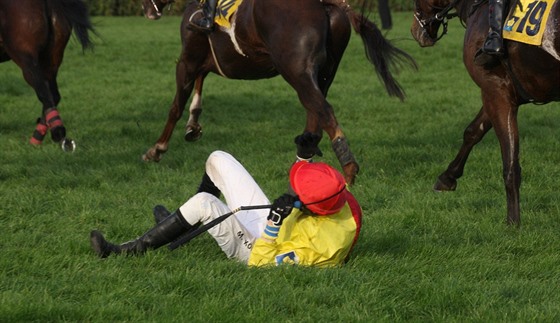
(307, 239)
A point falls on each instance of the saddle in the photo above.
(224, 12)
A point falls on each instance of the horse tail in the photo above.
(77, 14)
(381, 53)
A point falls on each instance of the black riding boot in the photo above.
(494, 44)
(206, 23)
(160, 213)
(163, 233)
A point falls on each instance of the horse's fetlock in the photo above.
(58, 133)
(39, 133)
(160, 148)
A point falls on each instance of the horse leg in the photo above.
(39, 71)
(184, 87)
(320, 115)
(54, 121)
(337, 41)
(35, 76)
(50, 119)
(339, 142)
(473, 134)
(49, 115)
(194, 129)
(345, 157)
(504, 121)
(51, 61)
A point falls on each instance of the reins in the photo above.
(444, 13)
(442, 16)
(158, 12)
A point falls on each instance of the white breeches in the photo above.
(236, 234)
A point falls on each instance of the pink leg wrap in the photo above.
(38, 133)
(53, 119)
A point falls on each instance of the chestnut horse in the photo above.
(527, 73)
(301, 40)
(34, 34)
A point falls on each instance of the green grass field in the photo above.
(422, 256)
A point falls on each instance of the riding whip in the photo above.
(203, 228)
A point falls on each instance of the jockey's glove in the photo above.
(281, 208)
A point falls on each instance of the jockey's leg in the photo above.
(493, 44)
(161, 234)
(206, 23)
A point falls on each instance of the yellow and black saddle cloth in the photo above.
(527, 22)
(224, 11)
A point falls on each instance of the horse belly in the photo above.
(250, 69)
(243, 62)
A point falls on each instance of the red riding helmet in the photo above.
(321, 188)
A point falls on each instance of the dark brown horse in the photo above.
(301, 40)
(34, 34)
(528, 73)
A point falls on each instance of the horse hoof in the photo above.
(68, 145)
(350, 172)
(444, 186)
(58, 133)
(193, 135)
(513, 221)
(35, 143)
(146, 157)
(150, 156)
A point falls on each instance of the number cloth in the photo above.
(528, 21)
